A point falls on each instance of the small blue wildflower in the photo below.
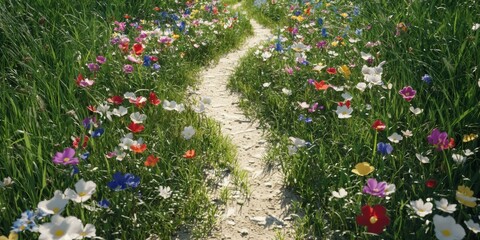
(121, 182)
(356, 11)
(320, 22)
(75, 170)
(156, 66)
(147, 61)
(84, 156)
(384, 148)
(104, 203)
(98, 132)
(324, 32)
(427, 78)
(359, 31)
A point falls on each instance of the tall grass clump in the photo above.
(98, 134)
(375, 108)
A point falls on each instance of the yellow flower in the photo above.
(334, 43)
(344, 15)
(12, 236)
(345, 70)
(176, 36)
(363, 168)
(465, 196)
(469, 137)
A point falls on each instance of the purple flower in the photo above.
(407, 93)
(384, 148)
(127, 68)
(438, 139)
(93, 67)
(66, 157)
(101, 59)
(375, 188)
(322, 44)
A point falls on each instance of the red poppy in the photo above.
(378, 125)
(126, 16)
(117, 100)
(189, 154)
(321, 85)
(139, 101)
(346, 103)
(153, 58)
(138, 48)
(151, 161)
(139, 148)
(135, 128)
(153, 99)
(92, 108)
(76, 142)
(331, 70)
(374, 218)
(431, 183)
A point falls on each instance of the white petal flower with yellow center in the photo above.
(55, 205)
(60, 228)
(84, 191)
(421, 209)
(447, 229)
(444, 206)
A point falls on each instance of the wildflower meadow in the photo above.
(372, 110)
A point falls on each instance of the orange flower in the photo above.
(138, 48)
(189, 154)
(139, 148)
(321, 85)
(151, 161)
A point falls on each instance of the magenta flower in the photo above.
(438, 139)
(407, 93)
(93, 67)
(375, 188)
(66, 157)
(101, 59)
(127, 68)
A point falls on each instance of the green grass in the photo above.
(44, 46)
(438, 41)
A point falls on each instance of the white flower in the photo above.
(444, 206)
(303, 105)
(407, 133)
(422, 159)
(127, 141)
(415, 111)
(346, 96)
(340, 194)
(61, 228)
(137, 117)
(120, 112)
(88, 231)
(266, 55)
(200, 108)
(167, 105)
(299, 47)
(344, 111)
(474, 227)
(292, 150)
(287, 91)
(318, 67)
(332, 53)
(188, 132)
(54, 205)
(475, 26)
(84, 191)
(164, 192)
(267, 84)
(102, 108)
(421, 209)
(390, 189)
(6, 182)
(458, 158)
(447, 229)
(366, 56)
(129, 95)
(297, 142)
(468, 152)
(337, 88)
(395, 138)
(361, 86)
(206, 100)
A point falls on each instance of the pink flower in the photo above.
(407, 93)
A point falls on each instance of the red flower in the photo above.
(76, 142)
(378, 125)
(431, 183)
(139, 148)
(117, 100)
(189, 154)
(347, 103)
(153, 99)
(156, 9)
(374, 218)
(151, 161)
(321, 85)
(139, 101)
(153, 58)
(92, 108)
(138, 48)
(331, 70)
(135, 128)
(451, 144)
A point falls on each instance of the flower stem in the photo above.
(374, 146)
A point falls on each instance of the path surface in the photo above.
(264, 215)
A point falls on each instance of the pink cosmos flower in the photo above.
(407, 93)
(66, 157)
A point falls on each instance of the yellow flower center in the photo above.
(373, 219)
(59, 233)
(56, 210)
(344, 113)
(446, 233)
(82, 194)
(66, 159)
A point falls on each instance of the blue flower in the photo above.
(98, 132)
(427, 78)
(121, 182)
(320, 22)
(25, 222)
(324, 32)
(146, 61)
(104, 203)
(156, 66)
(384, 148)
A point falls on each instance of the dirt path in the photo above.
(264, 215)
